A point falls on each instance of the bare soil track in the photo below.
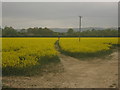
(92, 73)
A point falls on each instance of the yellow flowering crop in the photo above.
(27, 52)
(86, 45)
(24, 52)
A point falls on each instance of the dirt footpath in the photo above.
(92, 73)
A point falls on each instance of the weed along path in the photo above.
(91, 73)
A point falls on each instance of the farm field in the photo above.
(87, 47)
(26, 55)
(21, 54)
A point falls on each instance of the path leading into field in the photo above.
(91, 73)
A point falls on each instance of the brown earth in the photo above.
(91, 73)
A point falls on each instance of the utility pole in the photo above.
(79, 26)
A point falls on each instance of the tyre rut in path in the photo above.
(92, 73)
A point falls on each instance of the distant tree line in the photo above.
(93, 32)
(10, 31)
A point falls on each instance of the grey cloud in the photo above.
(100, 14)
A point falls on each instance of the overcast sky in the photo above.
(59, 15)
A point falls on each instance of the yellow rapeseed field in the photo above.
(24, 52)
(21, 53)
(86, 45)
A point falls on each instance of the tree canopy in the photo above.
(10, 31)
